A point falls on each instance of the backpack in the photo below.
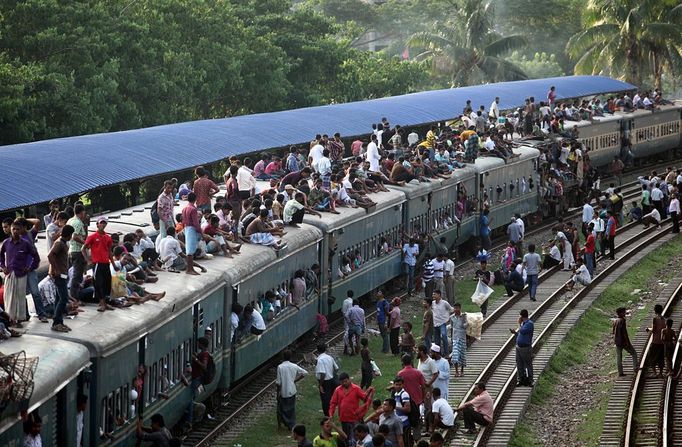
(209, 373)
(154, 212)
(414, 416)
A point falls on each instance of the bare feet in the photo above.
(192, 272)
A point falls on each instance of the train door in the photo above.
(627, 127)
(233, 330)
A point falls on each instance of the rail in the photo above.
(510, 382)
(671, 386)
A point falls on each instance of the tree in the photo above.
(467, 49)
(631, 39)
(540, 66)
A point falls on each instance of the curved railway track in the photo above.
(644, 424)
(492, 359)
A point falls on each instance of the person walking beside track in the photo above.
(622, 342)
(325, 372)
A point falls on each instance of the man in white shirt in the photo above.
(449, 280)
(674, 211)
(439, 272)
(287, 375)
(654, 217)
(581, 275)
(325, 372)
(494, 109)
(412, 138)
(345, 307)
(441, 315)
(373, 155)
(588, 213)
(443, 416)
(245, 180)
(657, 197)
(315, 154)
(171, 253)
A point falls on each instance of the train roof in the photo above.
(330, 222)
(105, 333)
(619, 115)
(200, 142)
(484, 164)
(414, 189)
(59, 362)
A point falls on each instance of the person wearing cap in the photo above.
(100, 245)
(443, 370)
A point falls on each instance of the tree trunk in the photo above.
(658, 72)
(633, 71)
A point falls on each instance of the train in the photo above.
(102, 356)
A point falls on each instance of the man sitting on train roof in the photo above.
(261, 232)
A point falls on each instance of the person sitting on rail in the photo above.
(653, 217)
(580, 275)
(259, 231)
(514, 281)
(552, 255)
(635, 213)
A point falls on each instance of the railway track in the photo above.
(244, 395)
(643, 424)
(491, 360)
(671, 427)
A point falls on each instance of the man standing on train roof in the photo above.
(373, 155)
(315, 153)
(100, 245)
(165, 204)
(17, 257)
(58, 258)
(287, 375)
(246, 180)
(190, 219)
(204, 189)
(524, 349)
(76, 259)
(494, 109)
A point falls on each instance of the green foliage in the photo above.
(81, 67)
(632, 39)
(466, 49)
(540, 66)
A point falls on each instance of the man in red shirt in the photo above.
(100, 243)
(190, 219)
(347, 398)
(413, 380)
(589, 249)
(204, 188)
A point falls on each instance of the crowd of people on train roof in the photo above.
(326, 176)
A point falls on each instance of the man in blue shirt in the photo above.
(382, 314)
(524, 349)
(486, 243)
(410, 252)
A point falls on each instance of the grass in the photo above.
(308, 407)
(595, 325)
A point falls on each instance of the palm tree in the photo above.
(629, 39)
(469, 50)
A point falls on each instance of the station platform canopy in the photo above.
(37, 172)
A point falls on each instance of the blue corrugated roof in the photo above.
(37, 172)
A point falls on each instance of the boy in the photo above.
(407, 342)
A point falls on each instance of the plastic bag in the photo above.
(119, 287)
(376, 372)
(475, 324)
(482, 292)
